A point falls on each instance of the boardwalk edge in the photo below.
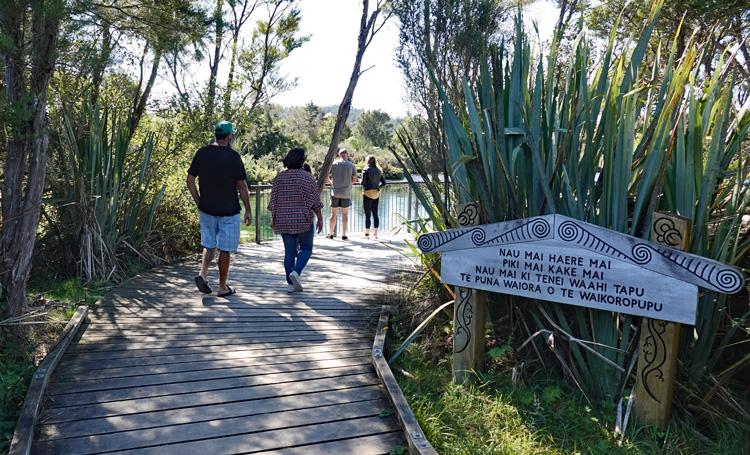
(32, 404)
(418, 444)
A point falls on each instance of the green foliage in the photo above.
(261, 170)
(263, 136)
(497, 417)
(272, 41)
(498, 352)
(72, 291)
(16, 369)
(375, 127)
(609, 144)
(107, 190)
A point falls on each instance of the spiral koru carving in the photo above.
(729, 279)
(464, 314)
(426, 242)
(477, 236)
(469, 215)
(540, 228)
(717, 276)
(641, 253)
(667, 233)
(568, 231)
(533, 230)
(655, 355)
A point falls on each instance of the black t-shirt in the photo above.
(218, 169)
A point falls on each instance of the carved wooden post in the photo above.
(469, 316)
(659, 341)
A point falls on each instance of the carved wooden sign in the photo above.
(560, 259)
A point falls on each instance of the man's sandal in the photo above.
(229, 292)
(202, 286)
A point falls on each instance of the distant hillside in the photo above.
(334, 109)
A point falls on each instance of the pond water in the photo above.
(398, 204)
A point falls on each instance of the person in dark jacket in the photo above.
(372, 182)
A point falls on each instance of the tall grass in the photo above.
(609, 142)
(108, 194)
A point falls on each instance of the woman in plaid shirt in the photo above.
(294, 199)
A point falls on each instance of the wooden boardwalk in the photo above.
(160, 368)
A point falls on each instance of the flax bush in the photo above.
(609, 142)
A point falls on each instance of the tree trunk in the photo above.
(26, 148)
(365, 28)
(230, 78)
(97, 75)
(218, 39)
(139, 105)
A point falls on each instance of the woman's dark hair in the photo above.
(294, 158)
(307, 168)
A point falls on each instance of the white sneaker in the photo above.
(290, 288)
(296, 282)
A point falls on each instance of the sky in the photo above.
(323, 65)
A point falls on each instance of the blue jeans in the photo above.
(297, 251)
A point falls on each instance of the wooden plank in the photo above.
(415, 438)
(160, 365)
(180, 326)
(93, 339)
(90, 385)
(124, 407)
(251, 340)
(29, 415)
(277, 439)
(148, 351)
(208, 430)
(244, 327)
(660, 340)
(104, 425)
(81, 361)
(339, 297)
(212, 316)
(367, 445)
(126, 371)
(189, 387)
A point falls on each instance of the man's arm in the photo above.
(193, 189)
(245, 196)
(354, 175)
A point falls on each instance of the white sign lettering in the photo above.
(556, 271)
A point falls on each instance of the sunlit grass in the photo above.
(496, 417)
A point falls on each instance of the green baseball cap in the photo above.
(225, 127)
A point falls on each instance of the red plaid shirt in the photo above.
(294, 197)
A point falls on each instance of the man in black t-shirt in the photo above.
(221, 175)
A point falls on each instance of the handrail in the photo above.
(397, 203)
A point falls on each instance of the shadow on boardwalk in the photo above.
(161, 368)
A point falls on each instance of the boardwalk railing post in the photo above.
(408, 203)
(469, 316)
(659, 340)
(257, 215)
